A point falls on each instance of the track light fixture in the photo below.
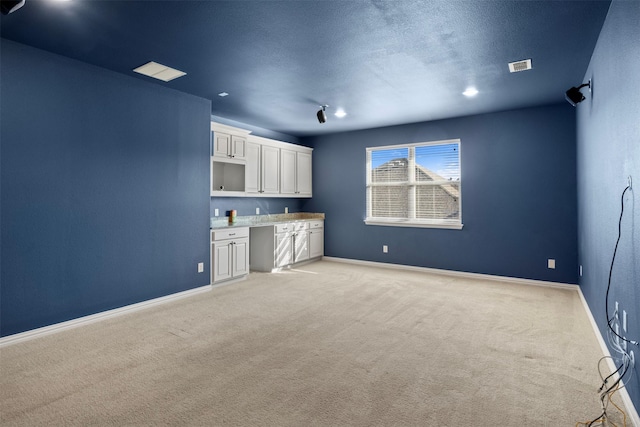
(574, 96)
(322, 117)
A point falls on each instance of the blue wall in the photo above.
(518, 196)
(105, 184)
(248, 205)
(608, 152)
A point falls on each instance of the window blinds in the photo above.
(414, 183)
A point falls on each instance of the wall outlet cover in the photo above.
(551, 263)
(200, 267)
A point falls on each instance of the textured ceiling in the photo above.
(384, 62)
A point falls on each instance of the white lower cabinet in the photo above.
(229, 254)
(316, 239)
(300, 242)
(281, 245)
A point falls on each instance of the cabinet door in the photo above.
(240, 258)
(303, 174)
(221, 264)
(316, 243)
(269, 170)
(283, 249)
(238, 147)
(252, 169)
(221, 144)
(301, 246)
(287, 172)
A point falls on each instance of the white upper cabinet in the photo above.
(252, 171)
(229, 143)
(295, 173)
(287, 172)
(244, 165)
(237, 147)
(303, 174)
(269, 169)
(221, 144)
(261, 173)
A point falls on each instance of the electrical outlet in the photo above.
(216, 212)
(200, 267)
(286, 210)
(257, 211)
(551, 263)
(385, 249)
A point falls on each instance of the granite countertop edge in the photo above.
(263, 220)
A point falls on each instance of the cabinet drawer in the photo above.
(283, 228)
(316, 224)
(300, 226)
(230, 233)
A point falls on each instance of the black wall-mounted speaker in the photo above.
(322, 117)
(574, 96)
(8, 6)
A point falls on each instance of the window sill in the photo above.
(417, 224)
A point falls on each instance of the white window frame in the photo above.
(412, 221)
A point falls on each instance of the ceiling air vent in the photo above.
(523, 65)
(159, 71)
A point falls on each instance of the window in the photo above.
(415, 185)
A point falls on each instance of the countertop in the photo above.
(218, 223)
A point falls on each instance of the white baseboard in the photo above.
(461, 274)
(229, 282)
(624, 394)
(81, 321)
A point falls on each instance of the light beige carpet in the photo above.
(328, 344)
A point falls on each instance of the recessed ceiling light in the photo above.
(523, 65)
(340, 113)
(223, 94)
(159, 71)
(471, 91)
